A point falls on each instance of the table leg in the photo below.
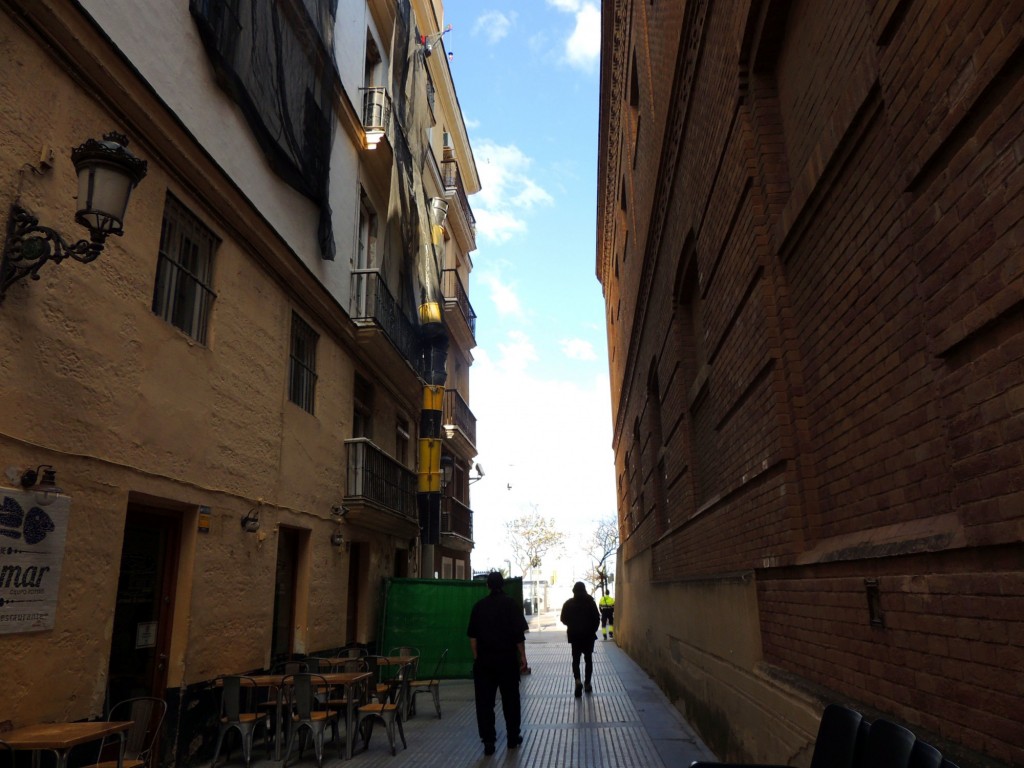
(122, 738)
(279, 736)
(350, 736)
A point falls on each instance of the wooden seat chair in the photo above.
(431, 685)
(147, 716)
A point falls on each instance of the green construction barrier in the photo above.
(431, 615)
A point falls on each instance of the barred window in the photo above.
(182, 294)
(302, 372)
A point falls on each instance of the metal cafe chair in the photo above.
(309, 715)
(387, 709)
(236, 691)
(147, 716)
(431, 685)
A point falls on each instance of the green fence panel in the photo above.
(431, 615)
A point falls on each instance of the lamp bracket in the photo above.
(30, 245)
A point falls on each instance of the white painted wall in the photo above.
(161, 40)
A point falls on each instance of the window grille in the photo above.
(302, 378)
(182, 294)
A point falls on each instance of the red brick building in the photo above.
(811, 245)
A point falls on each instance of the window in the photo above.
(362, 408)
(302, 374)
(446, 567)
(182, 294)
(460, 569)
(402, 441)
(372, 62)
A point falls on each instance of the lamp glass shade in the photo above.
(107, 173)
(103, 193)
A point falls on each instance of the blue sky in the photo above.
(526, 74)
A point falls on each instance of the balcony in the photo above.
(455, 190)
(459, 314)
(380, 492)
(460, 424)
(376, 114)
(382, 326)
(456, 524)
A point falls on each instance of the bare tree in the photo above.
(602, 546)
(531, 537)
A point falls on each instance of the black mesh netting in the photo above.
(276, 60)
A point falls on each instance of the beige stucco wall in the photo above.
(126, 407)
(705, 653)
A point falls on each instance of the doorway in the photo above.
(282, 643)
(140, 645)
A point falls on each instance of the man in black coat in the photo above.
(497, 637)
(581, 617)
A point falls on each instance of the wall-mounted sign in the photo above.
(204, 519)
(32, 539)
(145, 634)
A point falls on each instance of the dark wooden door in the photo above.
(141, 639)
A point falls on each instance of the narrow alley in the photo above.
(626, 723)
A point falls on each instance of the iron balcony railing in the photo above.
(456, 518)
(375, 477)
(372, 302)
(455, 291)
(376, 109)
(452, 178)
(456, 411)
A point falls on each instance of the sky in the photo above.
(526, 76)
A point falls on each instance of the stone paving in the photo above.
(626, 723)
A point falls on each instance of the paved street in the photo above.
(625, 723)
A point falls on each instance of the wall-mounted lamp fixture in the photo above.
(479, 474)
(449, 430)
(44, 479)
(338, 512)
(447, 470)
(438, 211)
(107, 174)
(251, 520)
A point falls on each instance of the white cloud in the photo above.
(507, 191)
(504, 297)
(494, 25)
(550, 440)
(578, 349)
(583, 48)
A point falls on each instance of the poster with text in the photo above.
(32, 537)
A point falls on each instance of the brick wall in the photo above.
(824, 273)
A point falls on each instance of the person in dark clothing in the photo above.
(497, 637)
(581, 617)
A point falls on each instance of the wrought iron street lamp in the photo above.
(107, 174)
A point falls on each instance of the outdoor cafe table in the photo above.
(60, 738)
(347, 680)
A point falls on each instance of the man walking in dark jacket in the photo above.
(497, 637)
(581, 617)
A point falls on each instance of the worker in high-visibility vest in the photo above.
(607, 606)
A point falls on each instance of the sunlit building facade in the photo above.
(231, 397)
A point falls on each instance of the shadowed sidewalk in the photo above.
(626, 723)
